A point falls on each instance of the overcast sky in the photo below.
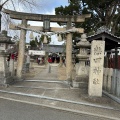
(48, 6)
(45, 7)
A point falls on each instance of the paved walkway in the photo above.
(44, 72)
(41, 87)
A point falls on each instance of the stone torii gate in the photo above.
(52, 18)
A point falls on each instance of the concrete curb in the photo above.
(112, 97)
(58, 99)
(47, 81)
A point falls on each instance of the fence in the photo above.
(111, 81)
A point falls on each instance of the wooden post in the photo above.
(116, 58)
(69, 52)
(21, 49)
(0, 20)
(107, 61)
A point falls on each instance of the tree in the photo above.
(33, 44)
(38, 41)
(103, 13)
(21, 51)
(42, 39)
(25, 3)
(106, 13)
(74, 8)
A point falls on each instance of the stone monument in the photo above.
(96, 68)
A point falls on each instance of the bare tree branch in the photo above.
(4, 3)
(13, 4)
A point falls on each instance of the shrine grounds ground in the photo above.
(41, 87)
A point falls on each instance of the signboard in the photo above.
(36, 52)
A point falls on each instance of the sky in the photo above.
(48, 6)
(45, 7)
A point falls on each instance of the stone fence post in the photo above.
(118, 83)
(11, 67)
(105, 78)
(114, 81)
(109, 80)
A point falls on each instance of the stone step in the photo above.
(41, 84)
(80, 79)
(81, 85)
(48, 85)
(61, 93)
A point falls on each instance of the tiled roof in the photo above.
(104, 30)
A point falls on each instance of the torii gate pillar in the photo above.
(21, 49)
(69, 52)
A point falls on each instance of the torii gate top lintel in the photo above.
(41, 17)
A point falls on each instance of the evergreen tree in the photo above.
(103, 13)
(38, 41)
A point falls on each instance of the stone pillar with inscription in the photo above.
(96, 68)
(81, 78)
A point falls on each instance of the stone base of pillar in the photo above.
(7, 79)
(5, 74)
(18, 79)
(80, 82)
(31, 63)
(62, 73)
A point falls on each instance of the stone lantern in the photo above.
(5, 41)
(5, 76)
(81, 77)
